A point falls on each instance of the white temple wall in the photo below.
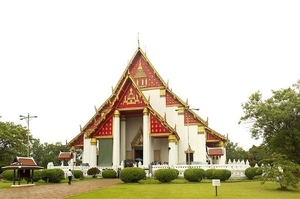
(86, 150)
(162, 145)
(158, 103)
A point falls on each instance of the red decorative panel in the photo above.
(171, 99)
(211, 137)
(156, 126)
(189, 118)
(131, 98)
(106, 129)
(79, 142)
(143, 74)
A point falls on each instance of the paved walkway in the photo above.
(57, 190)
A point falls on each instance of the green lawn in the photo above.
(180, 189)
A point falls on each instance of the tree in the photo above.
(276, 120)
(13, 142)
(45, 153)
(280, 169)
(234, 152)
(257, 154)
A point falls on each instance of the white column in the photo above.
(116, 139)
(146, 137)
(173, 150)
(73, 150)
(201, 152)
(93, 152)
(86, 149)
(123, 137)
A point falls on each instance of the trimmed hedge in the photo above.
(109, 173)
(253, 172)
(78, 174)
(37, 175)
(132, 174)
(93, 171)
(222, 174)
(166, 175)
(8, 175)
(209, 173)
(194, 174)
(53, 175)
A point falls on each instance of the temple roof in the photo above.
(215, 152)
(139, 75)
(20, 163)
(65, 155)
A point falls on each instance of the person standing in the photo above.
(70, 175)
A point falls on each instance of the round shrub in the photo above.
(209, 173)
(109, 173)
(8, 175)
(53, 175)
(37, 175)
(194, 174)
(78, 174)
(166, 175)
(177, 172)
(222, 174)
(93, 171)
(251, 172)
(132, 174)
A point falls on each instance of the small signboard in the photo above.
(216, 182)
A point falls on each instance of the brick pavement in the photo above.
(56, 190)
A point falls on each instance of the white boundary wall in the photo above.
(237, 168)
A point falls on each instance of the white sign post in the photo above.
(216, 183)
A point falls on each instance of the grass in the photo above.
(180, 189)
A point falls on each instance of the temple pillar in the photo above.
(123, 138)
(173, 150)
(116, 139)
(146, 138)
(86, 149)
(73, 150)
(93, 152)
(201, 153)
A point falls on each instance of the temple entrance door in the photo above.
(157, 155)
(138, 154)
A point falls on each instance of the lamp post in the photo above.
(27, 119)
(188, 132)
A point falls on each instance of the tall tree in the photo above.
(257, 154)
(13, 142)
(45, 153)
(234, 152)
(276, 120)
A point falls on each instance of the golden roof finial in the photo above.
(95, 109)
(168, 84)
(112, 89)
(187, 102)
(175, 128)
(138, 38)
(149, 99)
(80, 127)
(206, 121)
(165, 116)
(145, 51)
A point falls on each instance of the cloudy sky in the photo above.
(59, 59)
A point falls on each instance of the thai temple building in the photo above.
(145, 121)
